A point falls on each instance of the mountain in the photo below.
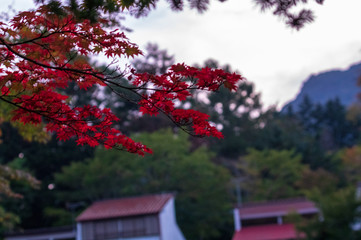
(329, 85)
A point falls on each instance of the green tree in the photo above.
(328, 123)
(335, 195)
(283, 131)
(315, 131)
(8, 177)
(339, 214)
(272, 174)
(351, 164)
(42, 160)
(202, 199)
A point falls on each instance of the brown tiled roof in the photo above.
(267, 232)
(125, 207)
(277, 208)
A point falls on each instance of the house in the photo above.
(265, 220)
(149, 217)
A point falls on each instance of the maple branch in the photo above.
(42, 64)
(159, 109)
(94, 74)
(33, 39)
(132, 89)
(34, 68)
(67, 122)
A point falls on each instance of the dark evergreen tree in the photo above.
(282, 8)
(236, 113)
(92, 9)
(328, 123)
(155, 60)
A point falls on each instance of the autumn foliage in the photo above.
(42, 52)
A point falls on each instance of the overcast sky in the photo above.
(276, 58)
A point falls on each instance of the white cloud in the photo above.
(276, 58)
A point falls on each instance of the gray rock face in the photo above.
(330, 85)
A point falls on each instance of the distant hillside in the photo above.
(328, 85)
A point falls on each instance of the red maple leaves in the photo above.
(41, 53)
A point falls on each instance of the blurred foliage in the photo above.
(41, 160)
(290, 11)
(7, 220)
(320, 179)
(155, 60)
(9, 176)
(93, 9)
(28, 132)
(285, 9)
(340, 216)
(272, 174)
(351, 164)
(59, 216)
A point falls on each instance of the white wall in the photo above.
(78, 231)
(169, 229)
(237, 219)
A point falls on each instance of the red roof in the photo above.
(125, 207)
(277, 208)
(267, 232)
